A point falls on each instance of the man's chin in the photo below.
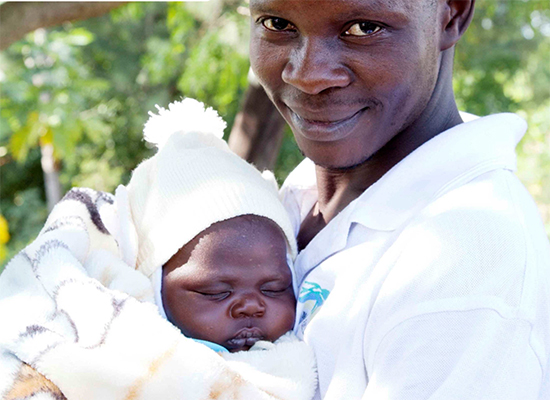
(337, 164)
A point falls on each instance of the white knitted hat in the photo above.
(192, 182)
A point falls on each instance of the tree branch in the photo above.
(258, 129)
(18, 19)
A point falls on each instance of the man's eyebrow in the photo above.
(373, 9)
(261, 9)
(266, 7)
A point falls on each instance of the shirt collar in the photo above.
(449, 159)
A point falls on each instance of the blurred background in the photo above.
(77, 82)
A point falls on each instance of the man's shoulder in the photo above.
(493, 200)
(491, 210)
(484, 237)
(302, 176)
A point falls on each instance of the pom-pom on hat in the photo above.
(192, 182)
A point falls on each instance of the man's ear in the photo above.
(457, 15)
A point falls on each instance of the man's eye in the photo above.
(277, 24)
(362, 29)
(215, 296)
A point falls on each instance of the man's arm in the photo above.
(460, 354)
(464, 312)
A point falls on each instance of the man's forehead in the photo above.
(408, 5)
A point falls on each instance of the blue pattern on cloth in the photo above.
(214, 346)
(313, 291)
(312, 296)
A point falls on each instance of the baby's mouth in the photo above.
(245, 339)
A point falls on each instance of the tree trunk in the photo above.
(258, 130)
(51, 175)
(18, 19)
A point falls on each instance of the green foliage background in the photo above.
(87, 87)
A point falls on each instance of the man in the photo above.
(424, 266)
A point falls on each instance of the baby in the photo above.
(212, 234)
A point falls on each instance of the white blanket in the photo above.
(77, 322)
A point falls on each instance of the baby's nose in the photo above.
(250, 305)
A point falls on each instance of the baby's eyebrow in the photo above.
(275, 278)
(213, 279)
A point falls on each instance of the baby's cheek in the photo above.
(285, 316)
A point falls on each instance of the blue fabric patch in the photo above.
(214, 346)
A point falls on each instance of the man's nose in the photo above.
(315, 66)
(248, 305)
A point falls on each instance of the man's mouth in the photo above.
(325, 128)
(245, 339)
(327, 121)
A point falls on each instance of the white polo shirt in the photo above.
(435, 282)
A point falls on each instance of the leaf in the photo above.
(25, 138)
(79, 37)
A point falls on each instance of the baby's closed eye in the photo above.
(275, 290)
(214, 295)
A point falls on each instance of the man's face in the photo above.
(231, 285)
(347, 75)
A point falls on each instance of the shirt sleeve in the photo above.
(474, 354)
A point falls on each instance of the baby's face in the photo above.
(231, 284)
